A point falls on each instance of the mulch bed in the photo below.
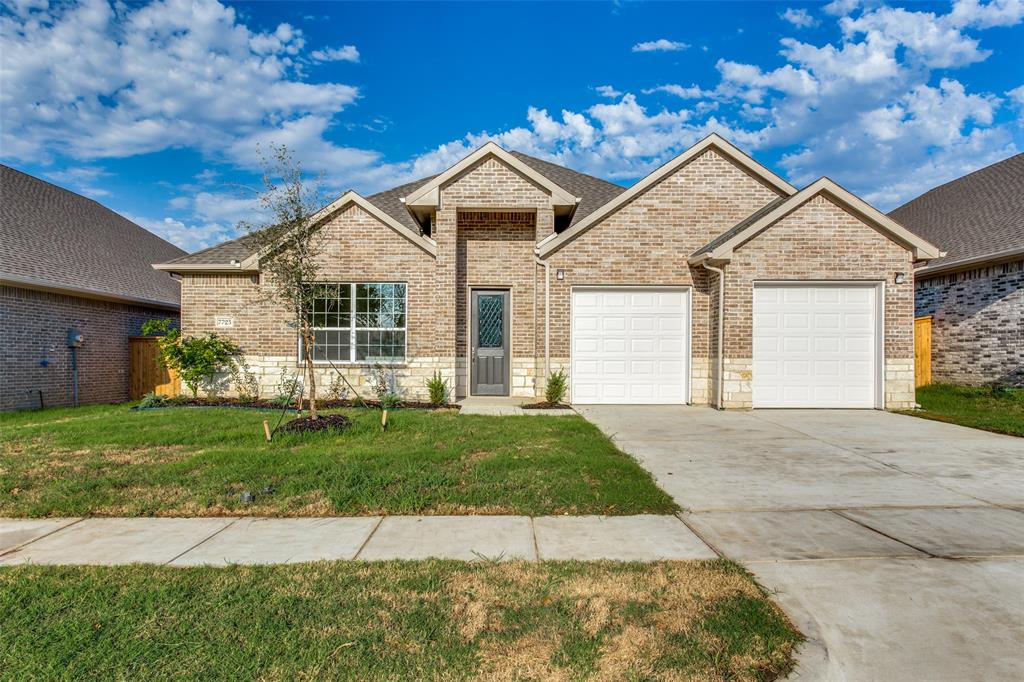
(325, 422)
(186, 401)
(544, 405)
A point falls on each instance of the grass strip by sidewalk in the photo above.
(980, 407)
(427, 620)
(112, 461)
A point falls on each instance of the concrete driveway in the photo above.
(895, 543)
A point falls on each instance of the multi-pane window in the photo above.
(359, 322)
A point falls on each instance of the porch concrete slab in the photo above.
(951, 532)
(16, 532)
(644, 537)
(282, 541)
(904, 619)
(451, 537)
(118, 541)
(792, 535)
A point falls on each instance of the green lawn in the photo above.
(112, 461)
(980, 407)
(428, 620)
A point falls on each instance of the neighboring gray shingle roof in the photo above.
(54, 237)
(974, 216)
(740, 226)
(593, 191)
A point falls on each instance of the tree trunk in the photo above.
(307, 347)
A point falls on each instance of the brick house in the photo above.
(710, 281)
(975, 292)
(68, 263)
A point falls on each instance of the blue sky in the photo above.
(156, 109)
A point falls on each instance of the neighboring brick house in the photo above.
(505, 268)
(975, 292)
(66, 262)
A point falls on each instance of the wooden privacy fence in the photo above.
(146, 374)
(923, 351)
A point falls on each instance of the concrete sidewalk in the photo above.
(222, 541)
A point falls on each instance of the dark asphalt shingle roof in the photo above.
(979, 214)
(593, 191)
(57, 238)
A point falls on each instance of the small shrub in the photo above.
(338, 389)
(247, 384)
(152, 400)
(390, 401)
(379, 381)
(438, 389)
(558, 384)
(289, 388)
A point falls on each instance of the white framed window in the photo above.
(359, 322)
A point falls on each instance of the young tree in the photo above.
(289, 244)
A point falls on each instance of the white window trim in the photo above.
(353, 328)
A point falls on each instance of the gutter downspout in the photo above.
(721, 330)
(547, 317)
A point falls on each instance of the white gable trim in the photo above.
(352, 197)
(429, 195)
(555, 241)
(921, 249)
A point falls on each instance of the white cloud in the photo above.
(971, 13)
(185, 236)
(97, 80)
(691, 92)
(82, 179)
(800, 18)
(608, 91)
(660, 45)
(346, 53)
(841, 7)
(1017, 95)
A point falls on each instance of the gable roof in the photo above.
(973, 219)
(428, 196)
(592, 191)
(720, 144)
(722, 246)
(243, 259)
(54, 239)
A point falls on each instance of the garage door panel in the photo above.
(635, 352)
(814, 346)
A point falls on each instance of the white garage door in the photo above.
(814, 346)
(629, 346)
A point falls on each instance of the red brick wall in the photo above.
(34, 326)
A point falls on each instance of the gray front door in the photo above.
(489, 356)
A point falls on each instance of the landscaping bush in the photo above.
(247, 384)
(196, 359)
(390, 401)
(152, 400)
(437, 389)
(558, 384)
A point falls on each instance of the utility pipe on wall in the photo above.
(721, 330)
(547, 318)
